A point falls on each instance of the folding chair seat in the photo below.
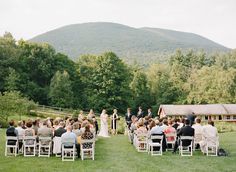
(212, 146)
(196, 140)
(155, 142)
(68, 150)
(11, 145)
(186, 146)
(29, 144)
(45, 144)
(57, 146)
(87, 149)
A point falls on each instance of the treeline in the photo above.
(38, 72)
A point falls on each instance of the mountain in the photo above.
(127, 42)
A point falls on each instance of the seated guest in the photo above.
(164, 124)
(197, 131)
(11, 131)
(175, 125)
(21, 133)
(70, 135)
(158, 130)
(76, 129)
(29, 131)
(87, 135)
(187, 130)
(210, 136)
(44, 131)
(61, 130)
(141, 128)
(36, 126)
(170, 130)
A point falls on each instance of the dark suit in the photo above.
(184, 131)
(59, 132)
(140, 114)
(128, 119)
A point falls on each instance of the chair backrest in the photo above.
(186, 137)
(13, 138)
(68, 142)
(87, 141)
(156, 137)
(45, 138)
(170, 134)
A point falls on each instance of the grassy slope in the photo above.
(117, 154)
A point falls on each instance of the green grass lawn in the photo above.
(117, 154)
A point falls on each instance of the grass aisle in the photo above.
(117, 154)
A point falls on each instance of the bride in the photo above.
(104, 124)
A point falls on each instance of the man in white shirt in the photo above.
(68, 136)
(210, 136)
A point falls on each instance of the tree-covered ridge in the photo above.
(143, 45)
(38, 72)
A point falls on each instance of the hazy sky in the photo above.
(214, 19)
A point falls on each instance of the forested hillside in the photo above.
(143, 45)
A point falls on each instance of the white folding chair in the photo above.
(196, 140)
(12, 145)
(170, 140)
(68, 150)
(186, 150)
(45, 144)
(87, 152)
(29, 143)
(212, 146)
(157, 144)
(141, 142)
(57, 146)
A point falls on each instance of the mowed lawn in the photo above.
(117, 154)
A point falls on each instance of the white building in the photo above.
(216, 112)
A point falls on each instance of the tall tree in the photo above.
(60, 92)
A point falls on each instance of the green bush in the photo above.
(3, 124)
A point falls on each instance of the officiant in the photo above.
(114, 119)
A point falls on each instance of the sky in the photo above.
(214, 19)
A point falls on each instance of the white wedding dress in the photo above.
(104, 126)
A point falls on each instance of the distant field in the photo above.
(117, 154)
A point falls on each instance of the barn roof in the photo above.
(207, 109)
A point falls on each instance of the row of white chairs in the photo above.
(144, 144)
(44, 147)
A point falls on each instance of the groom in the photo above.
(128, 116)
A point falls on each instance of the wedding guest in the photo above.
(11, 131)
(176, 125)
(140, 113)
(170, 130)
(87, 135)
(187, 130)
(69, 135)
(150, 115)
(36, 126)
(81, 115)
(45, 131)
(29, 131)
(210, 136)
(128, 116)
(197, 131)
(76, 129)
(21, 134)
(61, 129)
(91, 114)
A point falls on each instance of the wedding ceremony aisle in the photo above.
(117, 154)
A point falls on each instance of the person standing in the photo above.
(150, 113)
(128, 116)
(114, 119)
(104, 124)
(140, 113)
